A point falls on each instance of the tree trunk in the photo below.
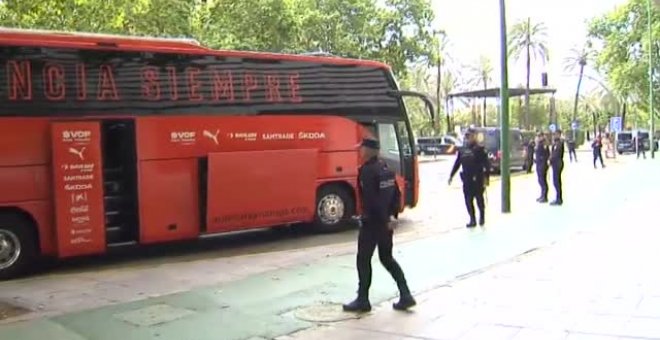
(529, 69)
(483, 118)
(474, 114)
(449, 127)
(577, 96)
(623, 115)
(437, 116)
(521, 117)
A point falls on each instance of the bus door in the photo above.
(398, 152)
(78, 188)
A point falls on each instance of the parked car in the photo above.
(624, 142)
(489, 137)
(444, 145)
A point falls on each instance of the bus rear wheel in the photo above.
(17, 246)
(334, 208)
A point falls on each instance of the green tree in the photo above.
(578, 60)
(397, 32)
(623, 49)
(483, 74)
(529, 39)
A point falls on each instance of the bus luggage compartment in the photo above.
(260, 188)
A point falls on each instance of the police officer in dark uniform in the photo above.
(542, 154)
(531, 145)
(475, 175)
(557, 164)
(380, 195)
(639, 145)
(571, 149)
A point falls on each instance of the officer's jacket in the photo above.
(378, 190)
(557, 153)
(474, 161)
(542, 153)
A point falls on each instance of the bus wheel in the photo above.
(334, 208)
(17, 246)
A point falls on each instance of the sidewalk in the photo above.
(602, 284)
(283, 301)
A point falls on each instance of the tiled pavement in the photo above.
(601, 284)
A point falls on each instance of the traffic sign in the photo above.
(553, 128)
(615, 124)
(575, 125)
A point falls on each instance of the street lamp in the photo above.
(504, 112)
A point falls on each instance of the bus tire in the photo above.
(18, 246)
(335, 207)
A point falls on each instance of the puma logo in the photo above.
(212, 136)
(78, 153)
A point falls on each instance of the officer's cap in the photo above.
(370, 143)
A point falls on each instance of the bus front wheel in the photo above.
(334, 208)
(17, 246)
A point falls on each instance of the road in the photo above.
(156, 271)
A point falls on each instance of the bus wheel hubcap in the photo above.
(10, 249)
(331, 209)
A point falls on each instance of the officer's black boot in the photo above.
(406, 300)
(359, 305)
(472, 223)
(482, 218)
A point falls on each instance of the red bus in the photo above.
(110, 141)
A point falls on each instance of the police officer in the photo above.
(475, 176)
(557, 164)
(531, 144)
(597, 147)
(571, 149)
(379, 194)
(541, 155)
(639, 144)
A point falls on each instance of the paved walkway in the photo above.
(287, 300)
(600, 284)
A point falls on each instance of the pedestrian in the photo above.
(542, 154)
(380, 195)
(531, 144)
(639, 144)
(557, 164)
(597, 147)
(473, 159)
(571, 149)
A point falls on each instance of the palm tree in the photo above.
(441, 58)
(578, 59)
(450, 83)
(483, 75)
(530, 39)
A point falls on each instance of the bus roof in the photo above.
(28, 37)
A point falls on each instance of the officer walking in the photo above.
(542, 154)
(557, 164)
(531, 145)
(380, 196)
(571, 149)
(475, 176)
(597, 147)
(639, 144)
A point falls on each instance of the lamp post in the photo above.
(649, 9)
(504, 112)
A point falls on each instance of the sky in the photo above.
(472, 27)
